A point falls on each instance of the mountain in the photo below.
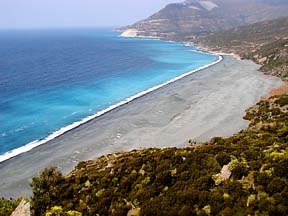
(196, 16)
(265, 42)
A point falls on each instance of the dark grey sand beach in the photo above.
(208, 103)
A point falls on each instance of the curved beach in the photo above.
(34, 144)
(199, 106)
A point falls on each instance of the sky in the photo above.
(75, 13)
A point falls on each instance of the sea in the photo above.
(52, 81)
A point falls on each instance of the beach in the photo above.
(211, 102)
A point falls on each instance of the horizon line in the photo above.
(61, 27)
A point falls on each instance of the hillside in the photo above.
(196, 16)
(246, 174)
(266, 43)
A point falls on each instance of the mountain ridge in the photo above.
(198, 16)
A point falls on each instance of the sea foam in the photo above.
(28, 147)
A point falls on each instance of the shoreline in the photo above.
(134, 33)
(199, 48)
(211, 51)
(197, 107)
(34, 144)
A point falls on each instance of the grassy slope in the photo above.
(183, 181)
(8, 206)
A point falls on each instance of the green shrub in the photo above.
(180, 181)
(8, 206)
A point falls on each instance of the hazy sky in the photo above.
(75, 13)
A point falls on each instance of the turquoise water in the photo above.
(52, 79)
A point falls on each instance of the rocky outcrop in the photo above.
(130, 33)
(23, 209)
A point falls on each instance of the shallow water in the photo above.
(51, 79)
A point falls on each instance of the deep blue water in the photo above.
(50, 79)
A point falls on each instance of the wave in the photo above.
(200, 51)
(28, 147)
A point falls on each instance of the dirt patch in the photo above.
(277, 91)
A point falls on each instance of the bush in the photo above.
(180, 181)
(8, 206)
(46, 190)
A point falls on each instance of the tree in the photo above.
(46, 190)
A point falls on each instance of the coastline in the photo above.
(199, 106)
(211, 51)
(34, 144)
(134, 33)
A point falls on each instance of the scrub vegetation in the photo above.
(246, 174)
(266, 43)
